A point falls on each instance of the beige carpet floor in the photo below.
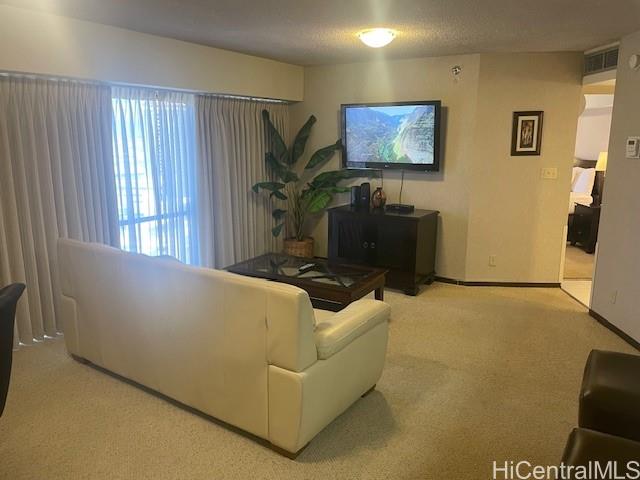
(578, 264)
(473, 375)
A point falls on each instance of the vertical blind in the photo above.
(154, 160)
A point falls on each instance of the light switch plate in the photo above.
(633, 147)
(549, 173)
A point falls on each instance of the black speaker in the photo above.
(355, 196)
(365, 195)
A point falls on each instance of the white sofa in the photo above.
(249, 352)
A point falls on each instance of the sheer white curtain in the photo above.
(235, 223)
(56, 180)
(154, 156)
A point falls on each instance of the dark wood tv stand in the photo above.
(404, 244)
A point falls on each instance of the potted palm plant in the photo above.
(305, 194)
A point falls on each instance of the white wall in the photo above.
(33, 42)
(514, 214)
(616, 287)
(490, 202)
(594, 125)
(326, 87)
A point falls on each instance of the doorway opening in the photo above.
(587, 187)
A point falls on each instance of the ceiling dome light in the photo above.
(377, 37)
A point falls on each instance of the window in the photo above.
(154, 159)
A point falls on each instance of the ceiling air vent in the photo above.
(601, 61)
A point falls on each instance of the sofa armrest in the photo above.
(334, 332)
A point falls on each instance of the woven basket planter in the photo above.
(299, 248)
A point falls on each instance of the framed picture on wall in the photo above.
(526, 136)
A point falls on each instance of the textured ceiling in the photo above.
(309, 32)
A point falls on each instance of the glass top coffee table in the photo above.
(330, 286)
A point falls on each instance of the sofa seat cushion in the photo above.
(322, 315)
(334, 331)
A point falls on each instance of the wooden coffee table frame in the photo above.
(323, 295)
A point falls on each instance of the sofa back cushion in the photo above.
(197, 335)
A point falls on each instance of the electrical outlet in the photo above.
(614, 296)
(492, 260)
(549, 173)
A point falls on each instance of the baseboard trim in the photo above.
(610, 326)
(498, 284)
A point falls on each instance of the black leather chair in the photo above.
(586, 446)
(610, 394)
(9, 297)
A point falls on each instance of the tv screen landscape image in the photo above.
(399, 135)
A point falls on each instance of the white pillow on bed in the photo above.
(584, 180)
(574, 175)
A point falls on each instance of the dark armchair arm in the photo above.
(610, 394)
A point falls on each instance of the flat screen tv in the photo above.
(401, 135)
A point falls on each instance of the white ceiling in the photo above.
(309, 32)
